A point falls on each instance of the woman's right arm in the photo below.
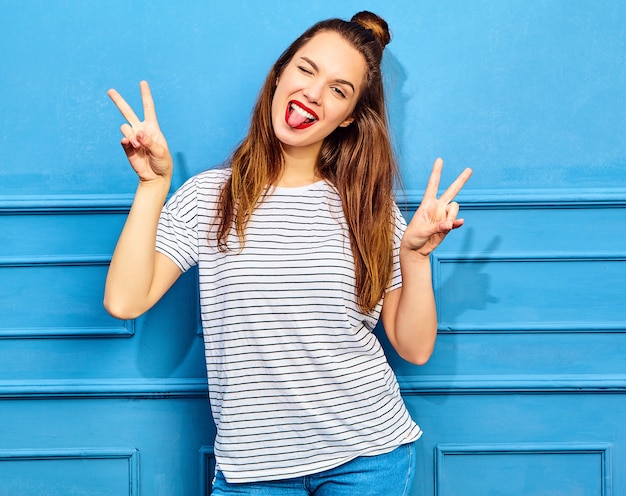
(138, 275)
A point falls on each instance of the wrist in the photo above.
(159, 186)
(158, 181)
(408, 255)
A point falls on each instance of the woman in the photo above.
(300, 249)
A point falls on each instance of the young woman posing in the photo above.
(300, 249)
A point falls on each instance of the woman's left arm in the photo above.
(409, 313)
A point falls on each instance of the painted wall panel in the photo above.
(165, 344)
(207, 469)
(510, 470)
(70, 440)
(57, 226)
(563, 425)
(71, 471)
(534, 291)
(70, 292)
(535, 358)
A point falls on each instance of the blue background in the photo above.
(525, 393)
(530, 94)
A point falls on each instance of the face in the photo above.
(317, 91)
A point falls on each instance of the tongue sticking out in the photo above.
(299, 118)
(296, 119)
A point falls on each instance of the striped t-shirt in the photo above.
(298, 382)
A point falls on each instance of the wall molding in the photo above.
(51, 204)
(131, 455)
(207, 469)
(416, 385)
(118, 329)
(438, 259)
(528, 198)
(603, 450)
(532, 256)
(105, 388)
(470, 199)
(126, 330)
(410, 385)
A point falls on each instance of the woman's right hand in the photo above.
(139, 276)
(144, 144)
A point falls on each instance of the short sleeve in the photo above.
(399, 228)
(177, 233)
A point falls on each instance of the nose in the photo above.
(313, 92)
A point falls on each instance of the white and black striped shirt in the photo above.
(298, 382)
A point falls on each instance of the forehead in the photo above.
(332, 54)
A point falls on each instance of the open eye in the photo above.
(339, 91)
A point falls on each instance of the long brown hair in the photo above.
(358, 160)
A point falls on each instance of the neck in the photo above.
(299, 166)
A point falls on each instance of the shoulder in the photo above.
(211, 178)
(399, 224)
(208, 183)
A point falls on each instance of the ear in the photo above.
(347, 122)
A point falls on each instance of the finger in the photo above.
(154, 148)
(456, 186)
(452, 211)
(130, 135)
(458, 223)
(127, 131)
(448, 222)
(433, 181)
(127, 145)
(123, 107)
(149, 112)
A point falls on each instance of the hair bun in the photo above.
(377, 25)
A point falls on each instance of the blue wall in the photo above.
(525, 391)
(529, 93)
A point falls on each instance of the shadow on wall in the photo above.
(467, 287)
(394, 79)
(168, 331)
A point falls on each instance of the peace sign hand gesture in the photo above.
(435, 217)
(144, 144)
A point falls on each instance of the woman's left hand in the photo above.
(435, 217)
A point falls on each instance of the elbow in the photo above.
(417, 353)
(119, 310)
(417, 357)
(416, 349)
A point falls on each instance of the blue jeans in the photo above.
(390, 474)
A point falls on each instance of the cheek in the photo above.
(276, 101)
(277, 116)
(280, 95)
(343, 114)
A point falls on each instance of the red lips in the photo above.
(298, 116)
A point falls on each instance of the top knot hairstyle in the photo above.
(377, 25)
(358, 160)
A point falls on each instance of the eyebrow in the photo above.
(340, 81)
